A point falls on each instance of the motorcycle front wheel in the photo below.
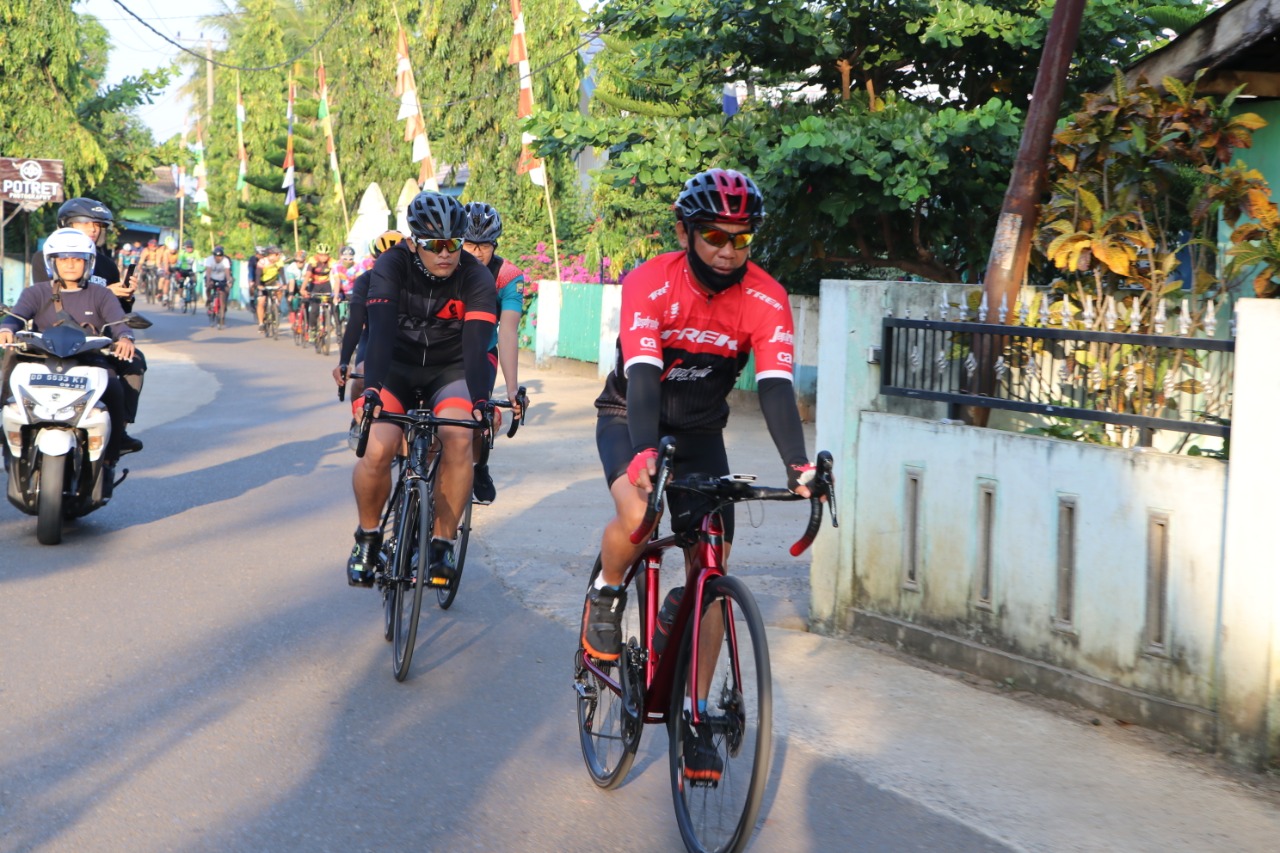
(52, 479)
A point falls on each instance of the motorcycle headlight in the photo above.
(69, 411)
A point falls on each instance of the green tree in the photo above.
(905, 174)
(52, 61)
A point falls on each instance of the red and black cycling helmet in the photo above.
(436, 216)
(720, 195)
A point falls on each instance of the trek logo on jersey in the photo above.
(640, 321)
(653, 296)
(780, 335)
(702, 336)
(452, 310)
(675, 373)
(765, 298)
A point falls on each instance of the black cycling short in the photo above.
(696, 453)
(438, 388)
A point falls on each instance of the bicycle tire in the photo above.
(447, 593)
(411, 570)
(608, 735)
(720, 817)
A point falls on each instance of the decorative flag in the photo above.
(242, 181)
(201, 194)
(291, 197)
(415, 130)
(518, 55)
(730, 100)
(326, 123)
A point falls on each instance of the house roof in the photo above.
(157, 191)
(1237, 43)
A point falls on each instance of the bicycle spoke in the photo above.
(734, 735)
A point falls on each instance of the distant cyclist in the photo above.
(317, 282)
(484, 227)
(217, 274)
(356, 337)
(270, 270)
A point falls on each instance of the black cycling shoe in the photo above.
(702, 762)
(129, 444)
(483, 487)
(444, 564)
(363, 561)
(602, 622)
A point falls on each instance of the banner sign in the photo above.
(30, 183)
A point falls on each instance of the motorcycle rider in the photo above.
(67, 296)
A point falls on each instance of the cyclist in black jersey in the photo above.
(431, 310)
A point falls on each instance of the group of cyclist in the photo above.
(442, 308)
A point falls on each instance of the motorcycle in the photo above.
(56, 427)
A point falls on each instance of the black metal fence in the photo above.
(1151, 382)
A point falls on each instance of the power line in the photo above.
(221, 64)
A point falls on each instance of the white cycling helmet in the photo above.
(69, 243)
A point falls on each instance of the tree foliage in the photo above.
(55, 107)
(904, 172)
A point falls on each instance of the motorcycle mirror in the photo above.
(136, 321)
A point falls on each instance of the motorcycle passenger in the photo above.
(317, 281)
(68, 255)
(484, 227)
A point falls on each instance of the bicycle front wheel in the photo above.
(413, 552)
(718, 772)
(610, 710)
(446, 594)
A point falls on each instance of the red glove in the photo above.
(800, 475)
(640, 462)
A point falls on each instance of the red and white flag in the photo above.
(518, 55)
(415, 130)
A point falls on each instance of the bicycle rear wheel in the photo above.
(718, 816)
(609, 722)
(446, 594)
(413, 544)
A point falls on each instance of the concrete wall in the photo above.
(1187, 643)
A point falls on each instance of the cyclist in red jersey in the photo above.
(690, 320)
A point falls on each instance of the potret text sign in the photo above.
(30, 183)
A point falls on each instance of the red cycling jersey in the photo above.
(700, 342)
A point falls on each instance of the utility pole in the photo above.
(1011, 248)
(1007, 263)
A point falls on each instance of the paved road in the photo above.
(189, 671)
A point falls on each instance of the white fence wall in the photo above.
(1188, 644)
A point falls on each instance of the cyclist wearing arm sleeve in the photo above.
(430, 310)
(690, 321)
(355, 338)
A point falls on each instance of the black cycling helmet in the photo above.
(484, 225)
(85, 207)
(436, 216)
(720, 195)
(188, 244)
(218, 251)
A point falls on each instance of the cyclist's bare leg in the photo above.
(616, 550)
(371, 479)
(262, 301)
(453, 486)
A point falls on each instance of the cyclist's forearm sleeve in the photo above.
(382, 332)
(476, 335)
(644, 393)
(778, 403)
(351, 336)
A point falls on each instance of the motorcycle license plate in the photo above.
(58, 380)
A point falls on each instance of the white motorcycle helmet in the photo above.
(69, 243)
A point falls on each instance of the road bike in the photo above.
(150, 283)
(321, 332)
(298, 311)
(271, 312)
(408, 522)
(653, 681)
(189, 294)
(217, 309)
